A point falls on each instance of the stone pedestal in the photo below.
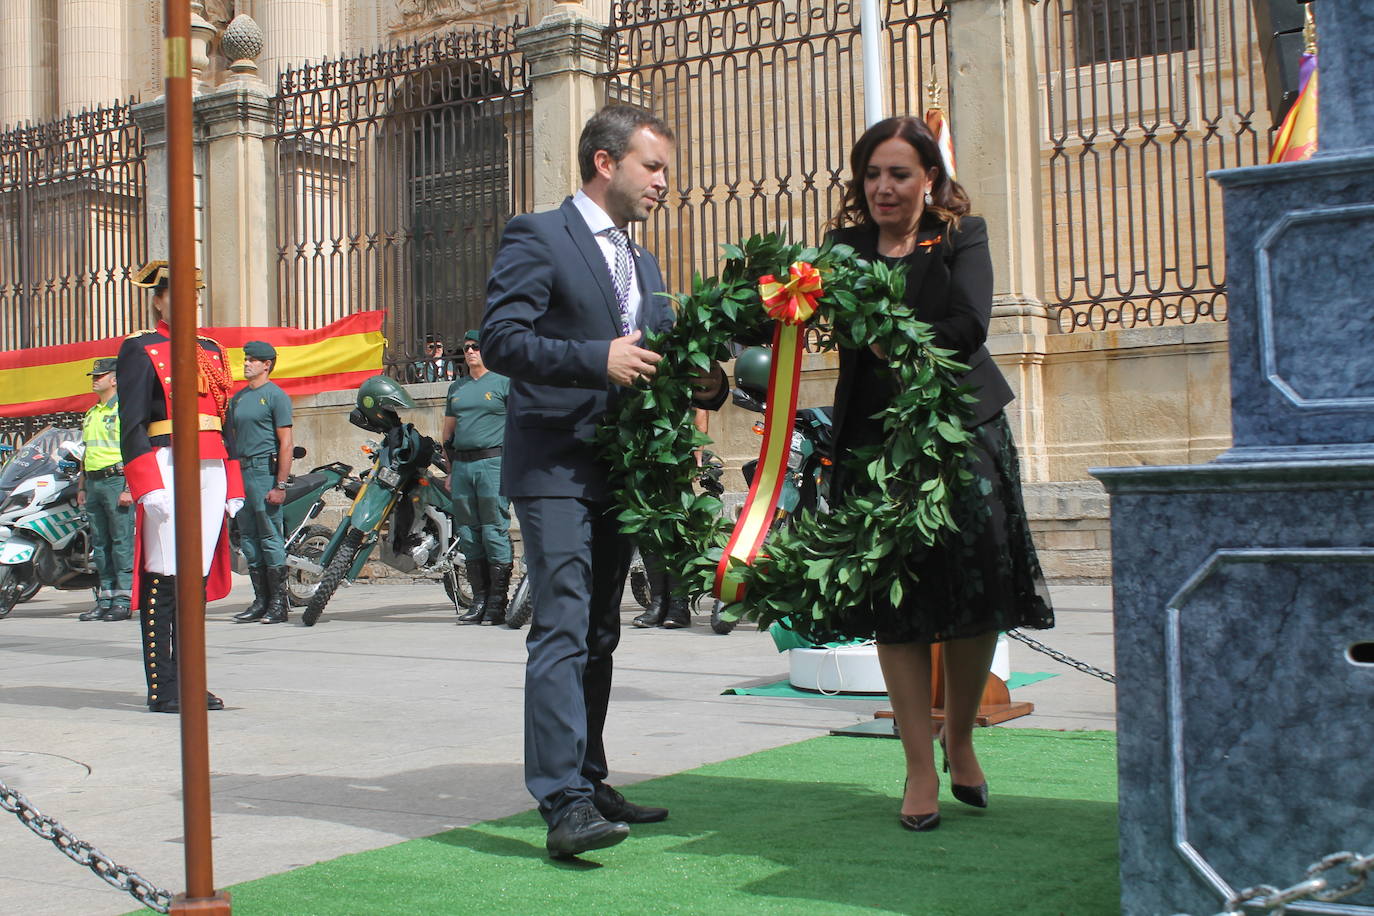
(1244, 589)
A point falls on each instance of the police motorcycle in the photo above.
(304, 501)
(44, 536)
(399, 515)
(807, 482)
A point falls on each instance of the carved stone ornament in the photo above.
(429, 9)
(242, 39)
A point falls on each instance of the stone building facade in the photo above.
(351, 152)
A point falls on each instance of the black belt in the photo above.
(102, 473)
(477, 454)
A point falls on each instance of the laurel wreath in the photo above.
(815, 573)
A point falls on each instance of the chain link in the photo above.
(83, 853)
(1061, 657)
(1314, 886)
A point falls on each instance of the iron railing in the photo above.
(396, 172)
(1142, 99)
(766, 99)
(72, 228)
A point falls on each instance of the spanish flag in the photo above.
(1297, 135)
(338, 356)
(939, 126)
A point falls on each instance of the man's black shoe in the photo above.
(583, 829)
(614, 807)
(173, 704)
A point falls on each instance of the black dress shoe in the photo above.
(172, 704)
(116, 613)
(93, 614)
(583, 829)
(678, 616)
(614, 807)
(920, 822)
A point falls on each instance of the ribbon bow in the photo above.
(793, 302)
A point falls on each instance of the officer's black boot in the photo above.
(497, 597)
(278, 607)
(676, 614)
(477, 579)
(119, 609)
(157, 617)
(261, 595)
(658, 596)
(102, 607)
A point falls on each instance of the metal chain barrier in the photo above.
(1315, 886)
(1061, 657)
(83, 853)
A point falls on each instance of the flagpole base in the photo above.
(216, 905)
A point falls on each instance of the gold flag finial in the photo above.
(1309, 30)
(933, 92)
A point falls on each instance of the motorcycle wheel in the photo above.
(334, 575)
(720, 626)
(310, 546)
(12, 585)
(521, 606)
(457, 587)
(29, 589)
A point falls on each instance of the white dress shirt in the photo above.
(598, 221)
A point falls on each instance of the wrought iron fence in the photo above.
(15, 431)
(72, 228)
(396, 172)
(1142, 99)
(766, 99)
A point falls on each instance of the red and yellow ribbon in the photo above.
(792, 304)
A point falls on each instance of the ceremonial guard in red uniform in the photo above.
(145, 414)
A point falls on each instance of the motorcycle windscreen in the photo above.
(40, 455)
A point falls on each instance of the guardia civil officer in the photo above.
(104, 496)
(260, 416)
(474, 430)
(145, 417)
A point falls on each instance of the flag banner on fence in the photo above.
(338, 356)
(944, 139)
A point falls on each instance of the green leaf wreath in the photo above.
(812, 572)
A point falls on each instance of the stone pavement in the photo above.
(383, 723)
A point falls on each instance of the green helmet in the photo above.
(379, 396)
(751, 371)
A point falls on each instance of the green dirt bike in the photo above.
(400, 511)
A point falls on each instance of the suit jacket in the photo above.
(949, 285)
(551, 316)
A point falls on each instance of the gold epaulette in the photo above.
(212, 340)
(140, 333)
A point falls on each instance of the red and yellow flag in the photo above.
(1297, 135)
(338, 356)
(939, 126)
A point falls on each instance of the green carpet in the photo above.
(784, 688)
(810, 828)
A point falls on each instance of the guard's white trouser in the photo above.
(159, 535)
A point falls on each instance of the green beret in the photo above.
(259, 349)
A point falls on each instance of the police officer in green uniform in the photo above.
(474, 430)
(104, 496)
(260, 416)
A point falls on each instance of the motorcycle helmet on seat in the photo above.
(751, 371)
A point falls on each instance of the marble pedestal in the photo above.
(1244, 601)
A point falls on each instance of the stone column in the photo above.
(235, 119)
(995, 116)
(90, 54)
(563, 54)
(296, 32)
(25, 63)
(151, 118)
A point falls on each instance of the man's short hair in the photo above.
(611, 129)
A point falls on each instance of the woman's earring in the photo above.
(929, 200)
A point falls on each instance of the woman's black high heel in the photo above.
(975, 796)
(918, 822)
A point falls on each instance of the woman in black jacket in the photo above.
(900, 207)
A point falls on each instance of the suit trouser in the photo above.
(112, 538)
(576, 559)
(480, 512)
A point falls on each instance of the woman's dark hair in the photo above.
(611, 129)
(949, 199)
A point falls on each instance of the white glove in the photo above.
(233, 505)
(158, 504)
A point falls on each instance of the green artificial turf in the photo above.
(784, 688)
(807, 828)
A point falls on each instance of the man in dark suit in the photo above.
(567, 302)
